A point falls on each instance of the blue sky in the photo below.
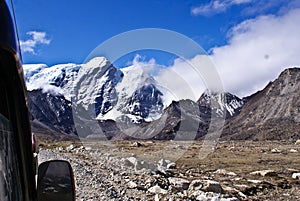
(75, 28)
(61, 31)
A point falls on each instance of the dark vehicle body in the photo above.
(17, 162)
(15, 132)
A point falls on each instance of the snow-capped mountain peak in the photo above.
(56, 79)
(138, 97)
(222, 103)
(94, 86)
(104, 91)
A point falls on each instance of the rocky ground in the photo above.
(127, 170)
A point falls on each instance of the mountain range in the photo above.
(128, 103)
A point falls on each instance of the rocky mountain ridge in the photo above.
(108, 96)
(270, 114)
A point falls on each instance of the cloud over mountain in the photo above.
(257, 51)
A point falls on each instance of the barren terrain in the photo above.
(165, 170)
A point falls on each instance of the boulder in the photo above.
(275, 150)
(165, 168)
(165, 163)
(224, 172)
(296, 176)
(206, 185)
(209, 196)
(179, 183)
(137, 164)
(136, 144)
(157, 190)
(132, 184)
(212, 186)
(293, 151)
(88, 148)
(130, 161)
(60, 148)
(264, 173)
(71, 147)
(164, 171)
(171, 165)
(254, 181)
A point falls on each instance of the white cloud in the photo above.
(257, 51)
(36, 38)
(252, 7)
(185, 79)
(181, 80)
(216, 6)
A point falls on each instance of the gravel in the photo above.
(103, 176)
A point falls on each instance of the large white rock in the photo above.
(296, 175)
(264, 173)
(138, 164)
(224, 172)
(132, 184)
(157, 190)
(293, 151)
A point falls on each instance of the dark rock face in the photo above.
(55, 112)
(224, 105)
(111, 130)
(144, 101)
(189, 120)
(270, 114)
(182, 120)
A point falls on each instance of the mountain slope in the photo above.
(50, 112)
(181, 120)
(222, 104)
(270, 114)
